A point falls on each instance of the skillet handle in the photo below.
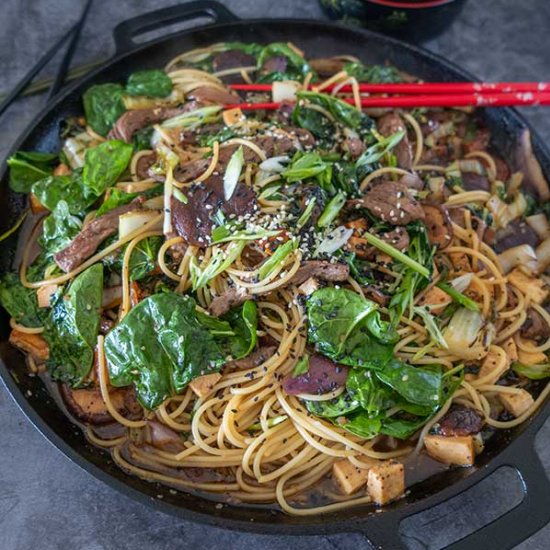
(530, 515)
(124, 32)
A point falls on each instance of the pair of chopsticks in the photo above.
(428, 94)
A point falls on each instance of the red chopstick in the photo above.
(442, 100)
(423, 87)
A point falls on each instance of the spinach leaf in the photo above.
(317, 123)
(144, 257)
(152, 83)
(117, 197)
(333, 408)
(244, 323)
(72, 327)
(103, 105)
(375, 74)
(59, 229)
(20, 302)
(419, 385)
(236, 331)
(345, 327)
(401, 428)
(533, 372)
(343, 112)
(373, 396)
(363, 425)
(26, 167)
(104, 164)
(71, 189)
(142, 138)
(160, 346)
(298, 67)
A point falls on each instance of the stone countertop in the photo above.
(49, 503)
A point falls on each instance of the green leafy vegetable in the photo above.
(306, 214)
(533, 372)
(244, 323)
(104, 164)
(333, 408)
(72, 326)
(309, 165)
(116, 197)
(20, 302)
(431, 326)
(160, 346)
(144, 258)
(274, 261)
(363, 425)
(59, 229)
(375, 74)
(71, 189)
(418, 385)
(297, 68)
(103, 105)
(152, 83)
(194, 119)
(26, 167)
(343, 112)
(347, 328)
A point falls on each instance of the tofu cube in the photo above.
(531, 357)
(30, 343)
(492, 368)
(458, 450)
(308, 287)
(436, 299)
(203, 385)
(533, 288)
(386, 482)
(349, 477)
(460, 261)
(232, 116)
(511, 349)
(516, 403)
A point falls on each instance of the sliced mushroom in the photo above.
(439, 225)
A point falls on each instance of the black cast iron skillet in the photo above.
(512, 447)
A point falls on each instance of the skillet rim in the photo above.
(327, 525)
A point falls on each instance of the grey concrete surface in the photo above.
(46, 502)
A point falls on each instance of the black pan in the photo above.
(512, 447)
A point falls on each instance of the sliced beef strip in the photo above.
(515, 234)
(388, 125)
(323, 376)
(353, 145)
(284, 113)
(320, 269)
(412, 181)
(93, 234)
(232, 297)
(398, 238)
(535, 327)
(136, 119)
(87, 403)
(256, 358)
(192, 221)
(211, 94)
(143, 165)
(475, 182)
(461, 421)
(391, 202)
(232, 59)
(327, 66)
